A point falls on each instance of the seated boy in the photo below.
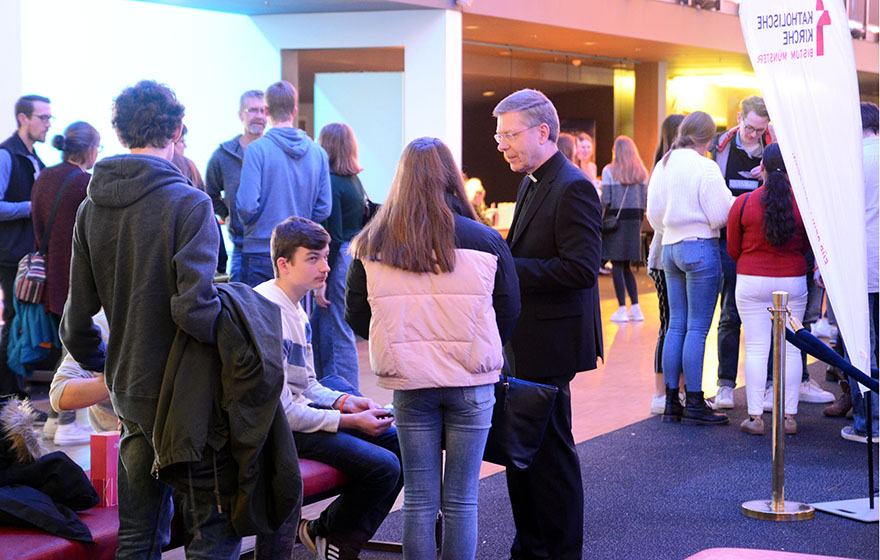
(347, 431)
(74, 388)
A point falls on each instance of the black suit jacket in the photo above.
(556, 246)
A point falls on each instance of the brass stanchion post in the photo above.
(777, 509)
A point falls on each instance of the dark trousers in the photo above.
(548, 498)
(9, 381)
(663, 304)
(372, 463)
(729, 323)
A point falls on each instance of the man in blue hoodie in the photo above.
(224, 170)
(285, 173)
(145, 249)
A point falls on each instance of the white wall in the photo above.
(379, 131)
(10, 63)
(432, 58)
(82, 53)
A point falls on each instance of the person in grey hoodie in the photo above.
(224, 171)
(145, 248)
(285, 173)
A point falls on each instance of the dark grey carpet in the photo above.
(665, 491)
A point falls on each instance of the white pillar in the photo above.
(432, 58)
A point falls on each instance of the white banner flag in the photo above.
(802, 53)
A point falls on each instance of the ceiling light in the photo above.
(471, 27)
(488, 93)
(589, 43)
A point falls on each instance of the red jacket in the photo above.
(748, 246)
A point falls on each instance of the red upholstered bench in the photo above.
(30, 544)
(320, 481)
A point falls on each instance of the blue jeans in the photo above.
(729, 323)
(860, 425)
(235, 263)
(333, 341)
(256, 268)
(693, 272)
(422, 416)
(145, 508)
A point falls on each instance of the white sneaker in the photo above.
(619, 316)
(635, 313)
(768, 399)
(823, 329)
(848, 433)
(724, 397)
(812, 393)
(658, 404)
(50, 427)
(72, 434)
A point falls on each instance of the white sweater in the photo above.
(687, 197)
(301, 388)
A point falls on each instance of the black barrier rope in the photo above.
(818, 349)
(804, 340)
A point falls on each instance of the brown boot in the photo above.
(843, 403)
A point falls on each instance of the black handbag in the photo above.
(610, 223)
(522, 410)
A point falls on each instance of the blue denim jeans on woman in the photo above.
(860, 424)
(693, 273)
(332, 339)
(422, 416)
(145, 508)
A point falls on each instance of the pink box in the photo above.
(105, 454)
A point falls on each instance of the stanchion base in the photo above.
(858, 509)
(791, 511)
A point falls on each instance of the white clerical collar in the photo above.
(532, 177)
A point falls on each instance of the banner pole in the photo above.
(777, 509)
(869, 439)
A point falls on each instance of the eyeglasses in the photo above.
(254, 111)
(510, 136)
(44, 118)
(100, 148)
(752, 130)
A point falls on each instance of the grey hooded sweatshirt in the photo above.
(284, 174)
(145, 248)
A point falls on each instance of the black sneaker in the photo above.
(325, 550)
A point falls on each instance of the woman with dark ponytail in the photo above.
(688, 202)
(79, 146)
(766, 238)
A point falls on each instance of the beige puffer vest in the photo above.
(434, 330)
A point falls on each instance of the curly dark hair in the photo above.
(778, 199)
(147, 114)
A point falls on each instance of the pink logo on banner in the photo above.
(824, 20)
